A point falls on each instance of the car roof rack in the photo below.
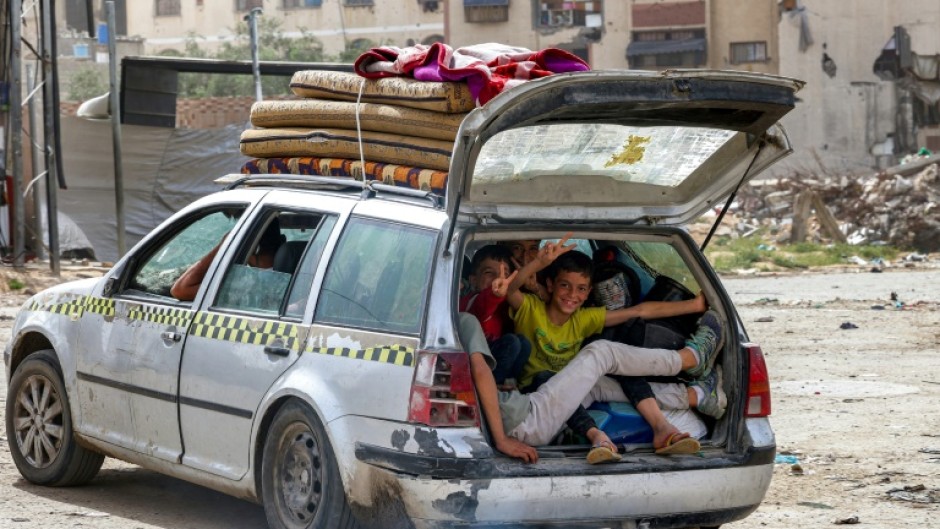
(368, 189)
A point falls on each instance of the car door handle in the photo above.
(277, 351)
(171, 336)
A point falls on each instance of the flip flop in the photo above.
(684, 446)
(602, 454)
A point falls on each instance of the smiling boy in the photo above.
(557, 328)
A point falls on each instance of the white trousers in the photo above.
(554, 402)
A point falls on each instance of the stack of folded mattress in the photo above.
(406, 129)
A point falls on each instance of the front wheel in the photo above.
(39, 426)
(301, 486)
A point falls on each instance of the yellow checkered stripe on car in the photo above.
(243, 330)
(164, 316)
(103, 306)
(398, 355)
(72, 307)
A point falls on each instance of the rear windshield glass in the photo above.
(662, 156)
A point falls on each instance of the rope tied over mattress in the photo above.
(362, 157)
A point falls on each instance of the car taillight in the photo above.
(758, 387)
(442, 393)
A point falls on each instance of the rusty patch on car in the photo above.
(462, 505)
(387, 511)
(430, 444)
(399, 438)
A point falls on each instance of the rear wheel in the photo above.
(301, 486)
(39, 426)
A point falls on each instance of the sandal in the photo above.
(683, 445)
(601, 453)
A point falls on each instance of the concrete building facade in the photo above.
(849, 119)
(167, 24)
(646, 34)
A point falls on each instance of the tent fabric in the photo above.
(661, 47)
(164, 170)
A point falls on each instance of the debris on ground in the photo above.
(851, 520)
(914, 494)
(892, 207)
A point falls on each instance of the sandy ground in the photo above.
(855, 410)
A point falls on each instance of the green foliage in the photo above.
(728, 255)
(15, 284)
(354, 49)
(87, 82)
(272, 46)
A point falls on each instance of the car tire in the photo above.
(39, 426)
(300, 482)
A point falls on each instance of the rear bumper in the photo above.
(704, 519)
(439, 492)
(504, 468)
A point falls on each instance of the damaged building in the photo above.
(642, 34)
(864, 105)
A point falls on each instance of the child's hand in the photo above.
(501, 284)
(553, 250)
(515, 448)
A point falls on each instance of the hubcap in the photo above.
(300, 475)
(37, 421)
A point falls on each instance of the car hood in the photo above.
(618, 146)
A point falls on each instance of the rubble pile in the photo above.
(889, 208)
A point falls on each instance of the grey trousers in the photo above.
(555, 401)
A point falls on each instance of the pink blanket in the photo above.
(488, 69)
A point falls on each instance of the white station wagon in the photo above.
(332, 387)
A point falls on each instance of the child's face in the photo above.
(484, 275)
(569, 291)
(524, 251)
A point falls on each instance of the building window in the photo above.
(167, 8)
(568, 13)
(245, 5)
(748, 52)
(288, 4)
(685, 48)
(482, 11)
(429, 6)
(673, 34)
(355, 3)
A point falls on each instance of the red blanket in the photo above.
(488, 69)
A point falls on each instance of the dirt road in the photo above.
(856, 408)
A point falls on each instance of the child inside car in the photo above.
(558, 327)
(510, 350)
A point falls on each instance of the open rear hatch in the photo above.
(621, 147)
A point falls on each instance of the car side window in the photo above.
(258, 277)
(378, 277)
(162, 266)
(303, 278)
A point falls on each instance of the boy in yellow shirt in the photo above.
(557, 327)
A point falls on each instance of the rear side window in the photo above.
(662, 259)
(258, 279)
(378, 277)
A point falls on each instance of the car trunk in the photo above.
(667, 266)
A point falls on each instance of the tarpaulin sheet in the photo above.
(164, 170)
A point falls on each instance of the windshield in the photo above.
(661, 156)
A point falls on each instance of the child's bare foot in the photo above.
(663, 435)
(603, 449)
